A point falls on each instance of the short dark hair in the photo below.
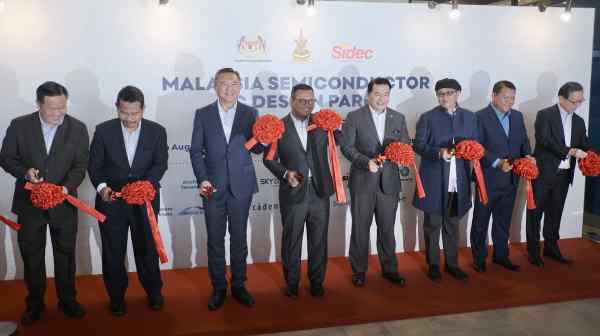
(299, 87)
(130, 94)
(227, 70)
(50, 89)
(503, 84)
(378, 81)
(568, 88)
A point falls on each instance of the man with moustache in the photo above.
(502, 133)
(374, 188)
(128, 149)
(302, 165)
(446, 178)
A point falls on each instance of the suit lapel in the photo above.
(558, 123)
(389, 125)
(371, 123)
(140, 144)
(289, 124)
(59, 138)
(38, 136)
(118, 133)
(218, 122)
(492, 114)
(237, 120)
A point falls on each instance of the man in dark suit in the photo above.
(302, 166)
(446, 178)
(374, 189)
(127, 149)
(221, 163)
(502, 133)
(47, 145)
(560, 139)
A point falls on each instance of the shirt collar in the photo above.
(564, 114)
(47, 125)
(221, 110)
(126, 131)
(298, 121)
(501, 115)
(375, 113)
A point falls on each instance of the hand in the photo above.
(206, 189)
(531, 158)
(505, 166)
(446, 154)
(32, 175)
(580, 154)
(373, 166)
(293, 178)
(65, 190)
(106, 194)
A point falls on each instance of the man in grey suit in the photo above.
(374, 188)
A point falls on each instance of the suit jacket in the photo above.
(435, 130)
(550, 147)
(108, 160)
(23, 148)
(362, 144)
(500, 146)
(225, 165)
(291, 155)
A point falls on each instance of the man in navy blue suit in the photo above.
(446, 178)
(227, 181)
(502, 133)
(125, 150)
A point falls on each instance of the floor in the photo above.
(580, 317)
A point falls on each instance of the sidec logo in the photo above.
(348, 52)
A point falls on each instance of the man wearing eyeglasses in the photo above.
(128, 149)
(374, 187)
(302, 165)
(560, 138)
(446, 178)
(227, 181)
(503, 135)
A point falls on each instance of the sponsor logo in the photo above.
(188, 184)
(301, 53)
(347, 52)
(191, 211)
(166, 212)
(268, 181)
(180, 147)
(252, 48)
(256, 207)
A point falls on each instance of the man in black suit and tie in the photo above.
(302, 166)
(127, 149)
(560, 138)
(374, 188)
(47, 145)
(503, 135)
(221, 163)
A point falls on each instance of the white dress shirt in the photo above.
(301, 126)
(567, 122)
(452, 184)
(131, 140)
(379, 121)
(49, 131)
(227, 117)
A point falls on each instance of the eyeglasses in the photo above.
(305, 102)
(448, 93)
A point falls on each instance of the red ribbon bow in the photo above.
(473, 151)
(527, 169)
(142, 193)
(267, 130)
(13, 225)
(590, 165)
(46, 195)
(403, 155)
(328, 120)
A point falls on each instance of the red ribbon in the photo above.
(590, 166)
(46, 195)
(142, 193)
(403, 155)
(11, 224)
(528, 170)
(473, 151)
(267, 130)
(328, 120)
